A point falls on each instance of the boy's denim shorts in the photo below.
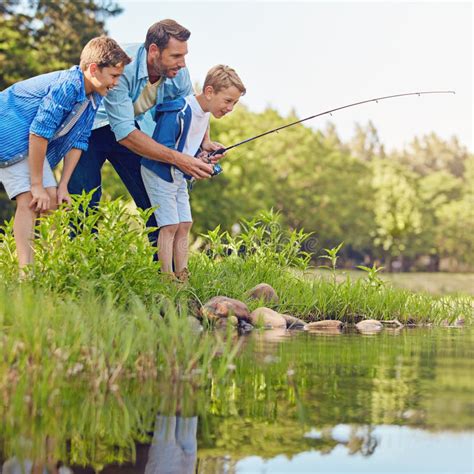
(172, 199)
(16, 178)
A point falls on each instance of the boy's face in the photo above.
(104, 79)
(168, 62)
(222, 102)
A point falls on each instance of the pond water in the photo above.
(398, 401)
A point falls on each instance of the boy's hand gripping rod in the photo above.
(220, 151)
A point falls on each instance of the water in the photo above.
(399, 401)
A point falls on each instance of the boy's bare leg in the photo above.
(165, 247)
(53, 198)
(23, 229)
(181, 246)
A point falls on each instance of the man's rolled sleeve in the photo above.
(54, 108)
(119, 107)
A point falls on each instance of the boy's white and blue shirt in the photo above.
(173, 120)
(117, 108)
(48, 106)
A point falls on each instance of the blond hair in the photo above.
(221, 77)
(103, 51)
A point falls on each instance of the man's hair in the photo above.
(221, 77)
(103, 51)
(160, 34)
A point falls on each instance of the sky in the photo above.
(310, 56)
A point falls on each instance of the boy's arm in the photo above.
(36, 157)
(70, 161)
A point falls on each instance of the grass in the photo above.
(436, 283)
(111, 254)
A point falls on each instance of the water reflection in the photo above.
(290, 394)
(174, 446)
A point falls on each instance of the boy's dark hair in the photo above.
(160, 33)
(103, 51)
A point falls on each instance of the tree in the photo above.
(398, 217)
(44, 35)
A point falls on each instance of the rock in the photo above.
(268, 318)
(245, 327)
(369, 326)
(194, 324)
(264, 292)
(292, 322)
(223, 323)
(328, 324)
(223, 307)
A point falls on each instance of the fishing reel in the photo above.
(217, 168)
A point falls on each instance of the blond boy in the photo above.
(44, 119)
(181, 125)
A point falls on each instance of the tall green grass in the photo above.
(111, 254)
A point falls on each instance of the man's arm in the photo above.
(36, 156)
(119, 107)
(143, 145)
(70, 161)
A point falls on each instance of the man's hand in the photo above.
(63, 195)
(41, 200)
(196, 168)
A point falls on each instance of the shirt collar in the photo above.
(142, 64)
(82, 92)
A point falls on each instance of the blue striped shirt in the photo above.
(46, 105)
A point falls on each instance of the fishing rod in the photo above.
(218, 168)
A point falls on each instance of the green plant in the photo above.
(372, 275)
(332, 256)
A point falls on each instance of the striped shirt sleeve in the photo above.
(54, 108)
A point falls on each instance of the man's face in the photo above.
(169, 61)
(222, 102)
(104, 79)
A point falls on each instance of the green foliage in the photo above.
(44, 35)
(110, 252)
(261, 241)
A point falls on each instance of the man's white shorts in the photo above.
(172, 198)
(16, 178)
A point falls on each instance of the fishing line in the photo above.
(218, 168)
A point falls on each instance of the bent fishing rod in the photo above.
(220, 151)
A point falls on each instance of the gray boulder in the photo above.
(369, 326)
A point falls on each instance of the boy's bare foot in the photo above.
(183, 275)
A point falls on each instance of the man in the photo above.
(125, 123)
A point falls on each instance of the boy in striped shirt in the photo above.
(45, 119)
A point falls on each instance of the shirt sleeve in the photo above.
(119, 107)
(54, 108)
(187, 86)
(83, 141)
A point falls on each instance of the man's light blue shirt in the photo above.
(45, 105)
(117, 108)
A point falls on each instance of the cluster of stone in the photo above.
(221, 311)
